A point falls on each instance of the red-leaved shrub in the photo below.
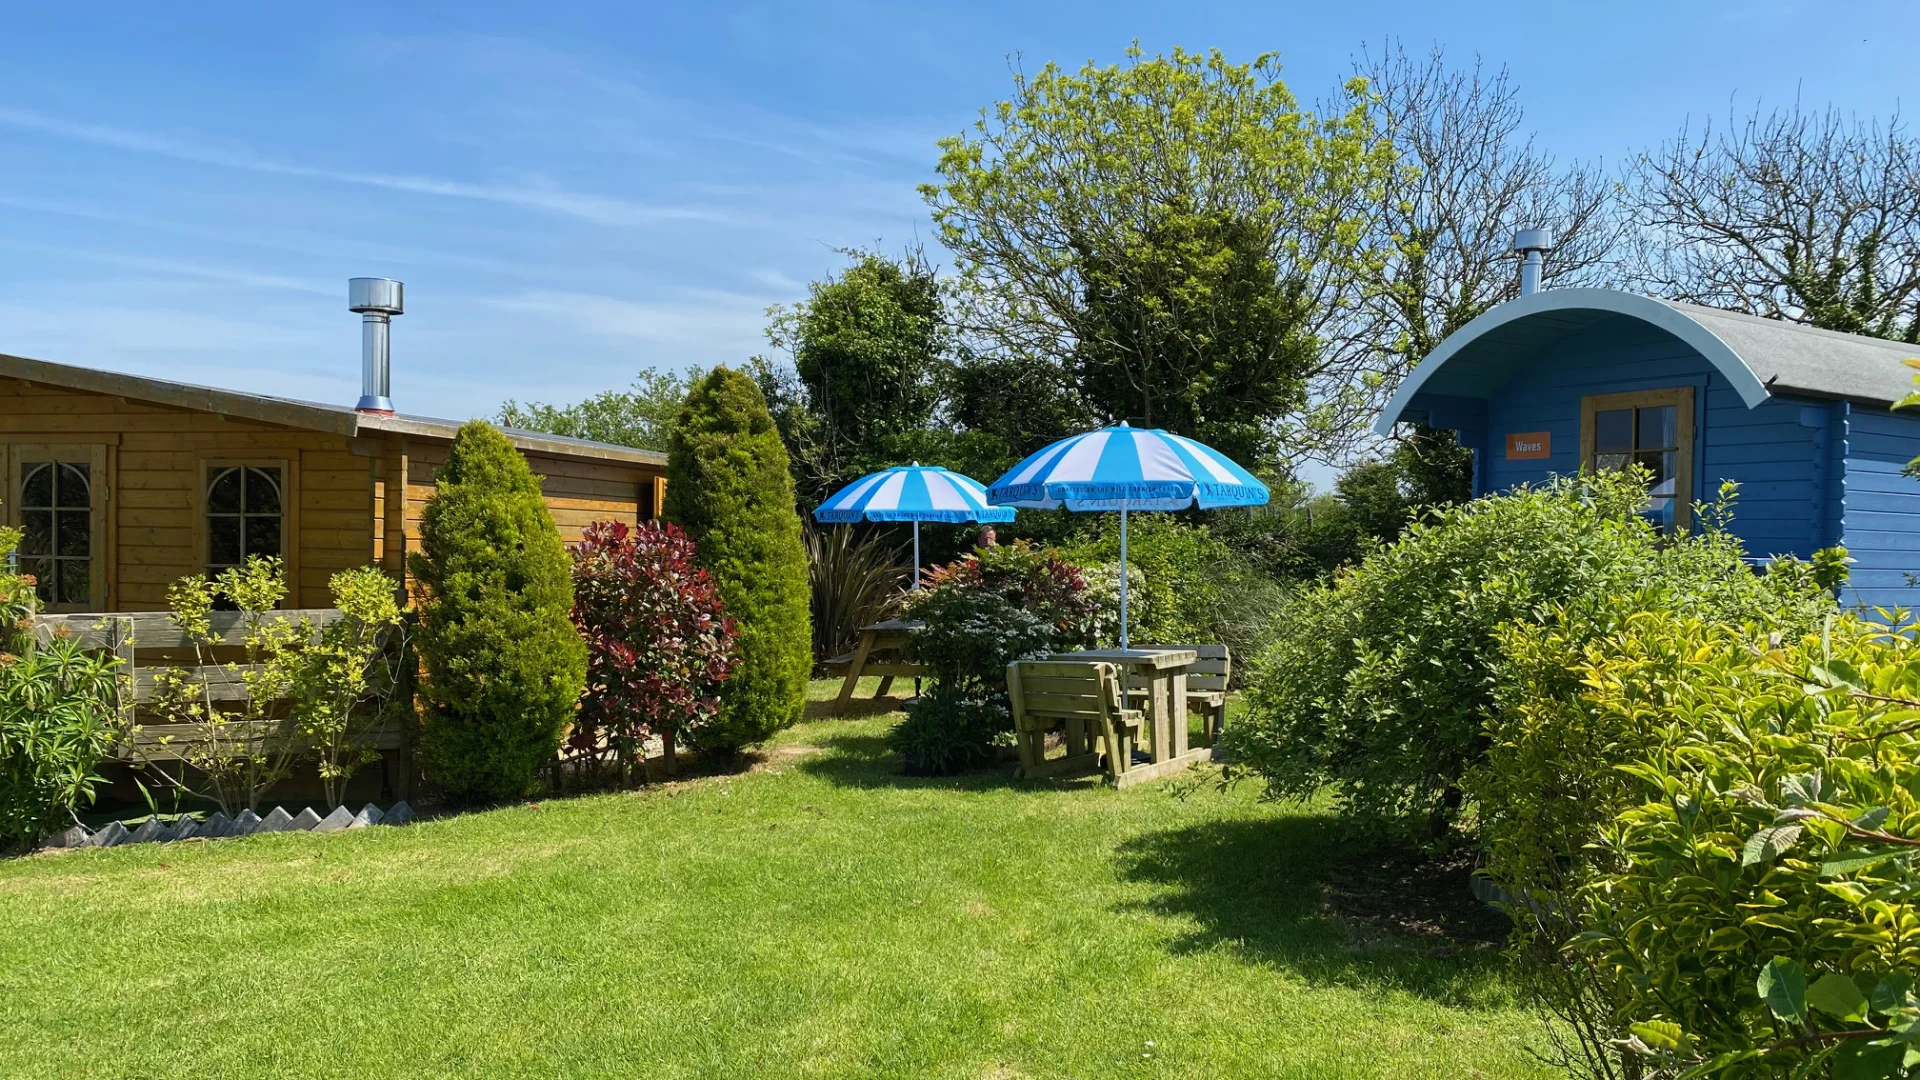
(658, 643)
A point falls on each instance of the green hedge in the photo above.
(502, 663)
(729, 486)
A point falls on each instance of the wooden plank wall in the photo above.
(578, 491)
(154, 458)
(340, 515)
(1769, 450)
(1881, 528)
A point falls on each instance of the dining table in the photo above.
(1158, 676)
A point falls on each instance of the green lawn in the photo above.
(817, 916)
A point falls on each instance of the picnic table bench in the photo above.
(880, 652)
(1155, 675)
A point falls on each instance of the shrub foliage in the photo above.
(503, 666)
(57, 717)
(1384, 679)
(1745, 902)
(948, 731)
(352, 676)
(982, 612)
(855, 579)
(729, 486)
(1184, 585)
(658, 642)
(993, 606)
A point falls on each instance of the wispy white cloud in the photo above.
(188, 269)
(774, 279)
(296, 241)
(712, 321)
(598, 209)
(567, 93)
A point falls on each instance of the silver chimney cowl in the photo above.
(377, 300)
(1532, 244)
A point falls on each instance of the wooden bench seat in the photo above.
(1084, 701)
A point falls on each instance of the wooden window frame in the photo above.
(289, 514)
(1681, 398)
(99, 492)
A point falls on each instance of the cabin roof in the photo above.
(1760, 357)
(290, 412)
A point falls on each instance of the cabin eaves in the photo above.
(313, 416)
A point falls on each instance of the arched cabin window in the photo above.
(246, 514)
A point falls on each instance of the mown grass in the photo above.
(819, 915)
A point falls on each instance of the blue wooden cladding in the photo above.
(1818, 454)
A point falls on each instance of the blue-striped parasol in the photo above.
(913, 493)
(1126, 468)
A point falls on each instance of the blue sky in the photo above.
(573, 192)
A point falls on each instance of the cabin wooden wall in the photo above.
(339, 511)
(1881, 508)
(578, 491)
(154, 454)
(1776, 452)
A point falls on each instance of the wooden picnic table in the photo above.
(880, 652)
(1159, 674)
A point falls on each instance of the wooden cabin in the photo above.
(123, 484)
(1562, 380)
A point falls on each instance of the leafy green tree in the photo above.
(1188, 325)
(868, 348)
(1006, 405)
(1172, 230)
(729, 486)
(503, 666)
(1427, 469)
(642, 416)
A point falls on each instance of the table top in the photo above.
(1157, 659)
(892, 624)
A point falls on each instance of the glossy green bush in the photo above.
(58, 717)
(502, 663)
(729, 487)
(1754, 909)
(947, 731)
(1384, 680)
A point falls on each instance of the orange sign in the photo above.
(1530, 445)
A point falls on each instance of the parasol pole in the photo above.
(1123, 575)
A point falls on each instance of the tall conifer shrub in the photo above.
(502, 663)
(729, 486)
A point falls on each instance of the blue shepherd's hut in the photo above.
(1564, 379)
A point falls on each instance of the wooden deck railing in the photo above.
(148, 640)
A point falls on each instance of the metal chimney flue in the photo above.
(378, 300)
(1533, 245)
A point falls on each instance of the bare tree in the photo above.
(1796, 215)
(1470, 175)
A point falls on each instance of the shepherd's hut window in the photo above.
(1652, 429)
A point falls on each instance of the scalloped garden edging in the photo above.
(218, 826)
